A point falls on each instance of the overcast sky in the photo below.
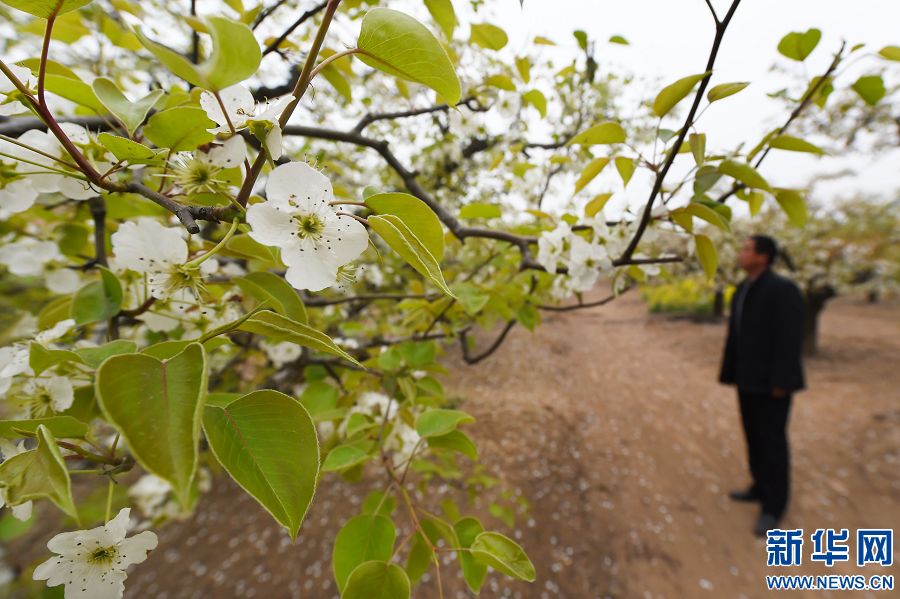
(671, 38)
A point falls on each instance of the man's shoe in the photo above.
(744, 495)
(764, 524)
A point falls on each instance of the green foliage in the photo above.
(672, 94)
(397, 44)
(156, 405)
(235, 55)
(364, 538)
(267, 442)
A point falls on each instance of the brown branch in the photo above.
(581, 305)
(805, 102)
(670, 158)
(365, 297)
(97, 207)
(273, 47)
(469, 358)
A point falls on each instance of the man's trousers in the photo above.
(765, 420)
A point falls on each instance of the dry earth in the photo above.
(611, 423)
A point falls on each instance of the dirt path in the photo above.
(612, 425)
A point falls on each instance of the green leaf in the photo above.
(705, 213)
(503, 554)
(363, 538)
(593, 168)
(706, 253)
(625, 166)
(345, 456)
(890, 52)
(723, 90)
(94, 356)
(795, 144)
(604, 133)
(870, 88)
(180, 129)
(37, 474)
(596, 204)
(755, 201)
(697, 143)
(415, 214)
(40, 358)
(157, 405)
(618, 39)
(377, 580)
(501, 82)
(797, 46)
(434, 423)
(443, 14)
(98, 300)
(74, 90)
(420, 558)
(59, 426)
(267, 442)
(132, 114)
(537, 99)
(235, 55)
(794, 206)
(409, 247)
(397, 44)
(743, 172)
(267, 286)
(474, 572)
(280, 328)
(127, 150)
(455, 441)
(480, 210)
(674, 93)
(488, 36)
(46, 8)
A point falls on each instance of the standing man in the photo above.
(762, 358)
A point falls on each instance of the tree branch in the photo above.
(670, 158)
(293, 26)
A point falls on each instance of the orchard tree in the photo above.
(239, 223)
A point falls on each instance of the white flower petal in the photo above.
(348, 238)
(22, 511)
(16, 197)
(23, 74)
(61, 392)
(274, 142)
(297, 181)
(62, 281)
(230, 154)
(310, 270)
(239, 105)
(145, 245)
(134, 550)
(271, 226)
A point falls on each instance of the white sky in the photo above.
(670, 39)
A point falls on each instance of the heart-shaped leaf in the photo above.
(132, 114)
(267, 442)
(46, 8)
(397, 44)
(156, 405)
(363, 538)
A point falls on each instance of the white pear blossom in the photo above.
(9, 106)
(146, 246)
(297, 218)
(242, 111)
(17, 196)
(52, 181)
(28, 256)
(23, 510)
(62, 280)
(48, 395)
(552, 246)
(151, 494)
(14, 358)
(203, 172)
(587, 261)
(281, 353)
(402, 441)
(92, 563)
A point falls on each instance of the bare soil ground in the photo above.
(611, 422)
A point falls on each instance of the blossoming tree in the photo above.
(234, 242)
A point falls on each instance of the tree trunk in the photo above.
(815, 303)
(719, 303)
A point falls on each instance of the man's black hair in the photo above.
(763, 244)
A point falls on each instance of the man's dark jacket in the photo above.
(764, 352)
